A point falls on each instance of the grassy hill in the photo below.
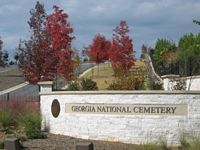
(103, 74)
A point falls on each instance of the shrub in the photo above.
(114, 86)
(18, 112)
(184, 143)
(192, 143)
(73, 86)
(195, 144)
(128, 82)
(22, 138)
(157, 86)
(20, 106)
(10, 110)
(163, 144)
(35, 134)
(154, 146)
(32, 124)
(5, 118)
(139, 84)
(88, 84)
(30, 120)
(149, 146)
(134, 79)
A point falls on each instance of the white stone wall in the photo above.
(128, 129)
(192, 83)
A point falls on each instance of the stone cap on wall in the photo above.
(117, 92)
(170, 76)
(45, 86)
(45, 83)
(46, 89)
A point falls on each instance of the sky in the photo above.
(148, 20)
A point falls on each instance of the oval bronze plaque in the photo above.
(55, 108)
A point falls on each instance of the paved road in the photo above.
(12, 69)
(10, 77)
(6, 69)
(84, 67)
(30, 92)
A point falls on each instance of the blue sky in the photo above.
(148, 20)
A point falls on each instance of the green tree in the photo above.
(189, 54)
(165, 56)
(162, 47)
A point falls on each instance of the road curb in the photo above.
(13, 88)
(88, 70)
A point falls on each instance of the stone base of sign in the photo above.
(84, 146)
(12, 144)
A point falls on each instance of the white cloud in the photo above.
(147, 19)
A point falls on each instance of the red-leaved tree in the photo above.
(59, 30)
(48, 51)
(121, 53)
(36, 58)
(98, 50)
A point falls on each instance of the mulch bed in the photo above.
(60, 142)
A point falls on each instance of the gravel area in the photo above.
(60, 142)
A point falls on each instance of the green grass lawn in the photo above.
(102, 75)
